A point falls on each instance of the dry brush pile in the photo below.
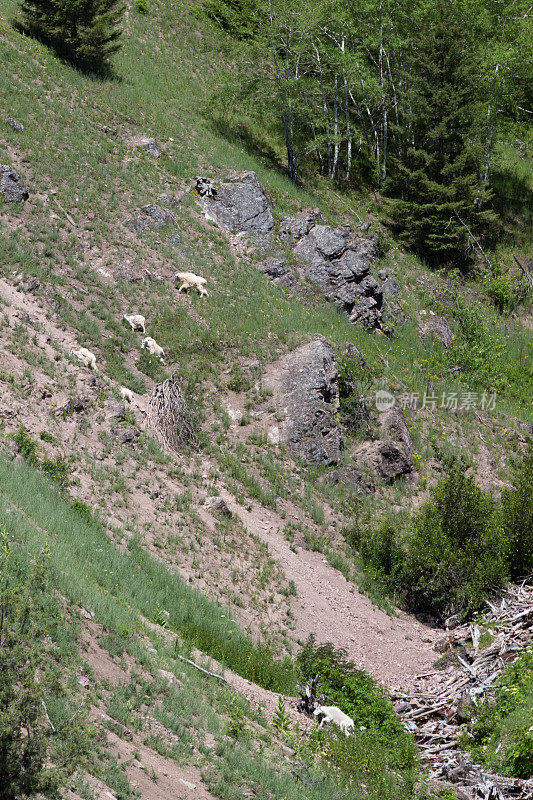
(435, 714)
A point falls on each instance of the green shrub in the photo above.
(502, 293)
(359, 696)
(32, 695)
(27, 446)
(501, 732)
(141, 6)
(456, 552)
(517, 517)
(57, 469)
(381, 551)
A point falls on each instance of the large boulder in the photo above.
(391, 457)
(386, 458)
(338, 263)
(240, 204)
(304, 385)
(12, 188)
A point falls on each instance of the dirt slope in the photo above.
(393, 649)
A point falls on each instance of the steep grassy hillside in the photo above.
(135, 560)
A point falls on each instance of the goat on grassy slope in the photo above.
(153, 348)
(137, 322)
(85, 356)
(126, 394)
(335, 715)
(191, 281)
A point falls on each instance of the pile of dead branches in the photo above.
(435, 714)
(170, 417)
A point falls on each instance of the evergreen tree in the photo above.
(438, 210)
(86, 32)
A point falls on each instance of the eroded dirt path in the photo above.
(392, 649)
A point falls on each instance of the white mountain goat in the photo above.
(126, 394)
(191, 281)
(137, 322)
(335, 715)
(85, 356)
(153, 348)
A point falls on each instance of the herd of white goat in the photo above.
(187, 280)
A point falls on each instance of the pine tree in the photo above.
(86, 32)
(439, 206)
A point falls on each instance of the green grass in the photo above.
(88, 568)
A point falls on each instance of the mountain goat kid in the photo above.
(191, 281)
(153, 348)
(335, 715)
(137, 322)
(126, 394)
(85, 356)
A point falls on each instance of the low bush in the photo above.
(353, 410)
(458, 548)
(42, 739)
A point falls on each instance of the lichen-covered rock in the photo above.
(127, 434)
(305, 389)
(150, 217)
(392, 425)
(115, 411)
(291, 229)
(240, 204)
(349, 476)
(219, 505)
(277, 271)
(12, 188)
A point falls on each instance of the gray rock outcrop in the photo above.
(127, 434)
(304, 385)
(115, 411)
(240, 204)
(291, 229)
(277, 271)
(386, 458)
(12, 188)
(15, 124)
(338, 263)
(219, 505)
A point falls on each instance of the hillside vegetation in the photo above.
(113, 567)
